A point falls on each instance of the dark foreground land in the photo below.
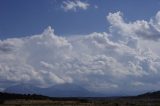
(148, 99)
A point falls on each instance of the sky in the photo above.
(26, 17)
(102, 45)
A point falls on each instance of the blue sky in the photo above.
(101, 45)
(25, 17)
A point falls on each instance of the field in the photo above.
(11, 99)
(85, 102)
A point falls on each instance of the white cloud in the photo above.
(140, 28)
(112, 61)
(74, 5)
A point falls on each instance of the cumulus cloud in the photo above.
(74, 5)
(113, 61)
(141, 28)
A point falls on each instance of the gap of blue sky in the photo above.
(19, 18)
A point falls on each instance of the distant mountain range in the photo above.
(60, 90)
(65, 90)
(13, 96)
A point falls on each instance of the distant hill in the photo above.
(10, 96)
(13, 96)
(150, 95)
(60, 90)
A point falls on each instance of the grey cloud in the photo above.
(5, 47)
(74, 5)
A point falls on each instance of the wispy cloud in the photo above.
(96, 6)
(74, 5)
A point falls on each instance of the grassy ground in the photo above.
(107, 102)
